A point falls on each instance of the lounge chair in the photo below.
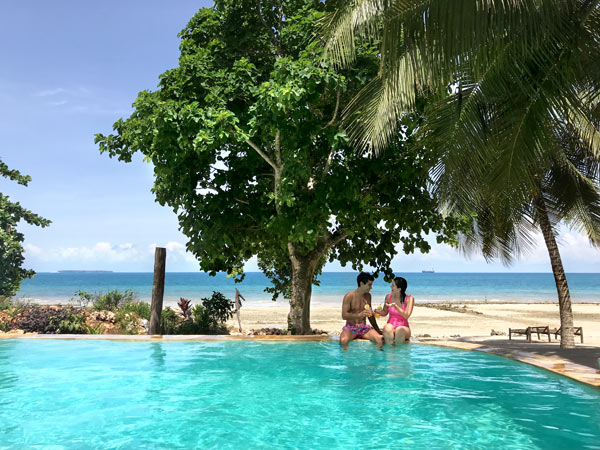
(577, 331)
(539, 330)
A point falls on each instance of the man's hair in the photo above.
(364, 278)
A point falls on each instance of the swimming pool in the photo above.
(106, 394)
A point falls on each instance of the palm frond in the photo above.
(339, 29)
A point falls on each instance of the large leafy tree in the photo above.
(247, 149)
(522, 76)
(11, 240)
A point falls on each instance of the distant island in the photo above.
(84, 271)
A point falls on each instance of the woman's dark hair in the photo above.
(402, 285)
(364, 278)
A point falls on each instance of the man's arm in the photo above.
(372, 316)
(346, 314)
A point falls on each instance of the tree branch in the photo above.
(278, 148)
(262, 154)
(328, 163)
(330, 123)
(337, 108)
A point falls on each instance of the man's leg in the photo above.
(374, 337)
(345, 337)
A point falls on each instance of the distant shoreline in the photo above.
(320, 301)
(354, 272)
(84, 271)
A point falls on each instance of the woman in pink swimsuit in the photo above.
(400, 307)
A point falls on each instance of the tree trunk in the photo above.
(303, 269)
(567, 340)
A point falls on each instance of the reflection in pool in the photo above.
(106, 394)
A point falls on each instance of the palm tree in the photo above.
(565, 189)
(516, 84)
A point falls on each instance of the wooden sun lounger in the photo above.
(577, 331)
(529, 331)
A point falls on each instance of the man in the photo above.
(354, 313)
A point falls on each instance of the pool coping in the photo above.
(555, 364)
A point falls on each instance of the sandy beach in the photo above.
(458, 320)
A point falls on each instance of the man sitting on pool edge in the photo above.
(354, 313)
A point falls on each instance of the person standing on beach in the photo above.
(400, 307)
(355, 308)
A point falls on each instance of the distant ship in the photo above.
(428, 271)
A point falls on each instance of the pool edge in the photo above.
(577, 372)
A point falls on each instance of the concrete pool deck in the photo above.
(581, 363)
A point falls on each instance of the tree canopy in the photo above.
(247, 149)
(11, 240)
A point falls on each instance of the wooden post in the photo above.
(238, 305)
(158, 290)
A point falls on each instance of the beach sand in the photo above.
(464, 319)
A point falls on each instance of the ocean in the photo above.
(49, 288)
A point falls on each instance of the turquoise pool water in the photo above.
(105, 394)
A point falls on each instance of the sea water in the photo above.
(436, 287)
(230, 395)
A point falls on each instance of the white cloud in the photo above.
(58, 103)
(81, 100)
(175, 251)
(577, 255)
(50, 92)
(32, 250)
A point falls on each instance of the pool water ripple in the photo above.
(106, 394)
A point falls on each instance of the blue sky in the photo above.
(69, 70)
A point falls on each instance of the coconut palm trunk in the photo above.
(567, 340)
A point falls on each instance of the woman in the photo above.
(400, 307)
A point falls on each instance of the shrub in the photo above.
(188, 327)
(43, 319)
(5, 326)
(112, 300)
(5, 303)
(201, 318)
(142, 309)
(14, 311)
(84, 298)
(168, 321)
(68, 322)
(128, 321)
(218, 308)
(184, 305)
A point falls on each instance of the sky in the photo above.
(70, 69)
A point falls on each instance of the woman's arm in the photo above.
(410, 303)
(385, 310)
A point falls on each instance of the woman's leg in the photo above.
(388, 334)
(402, 334)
